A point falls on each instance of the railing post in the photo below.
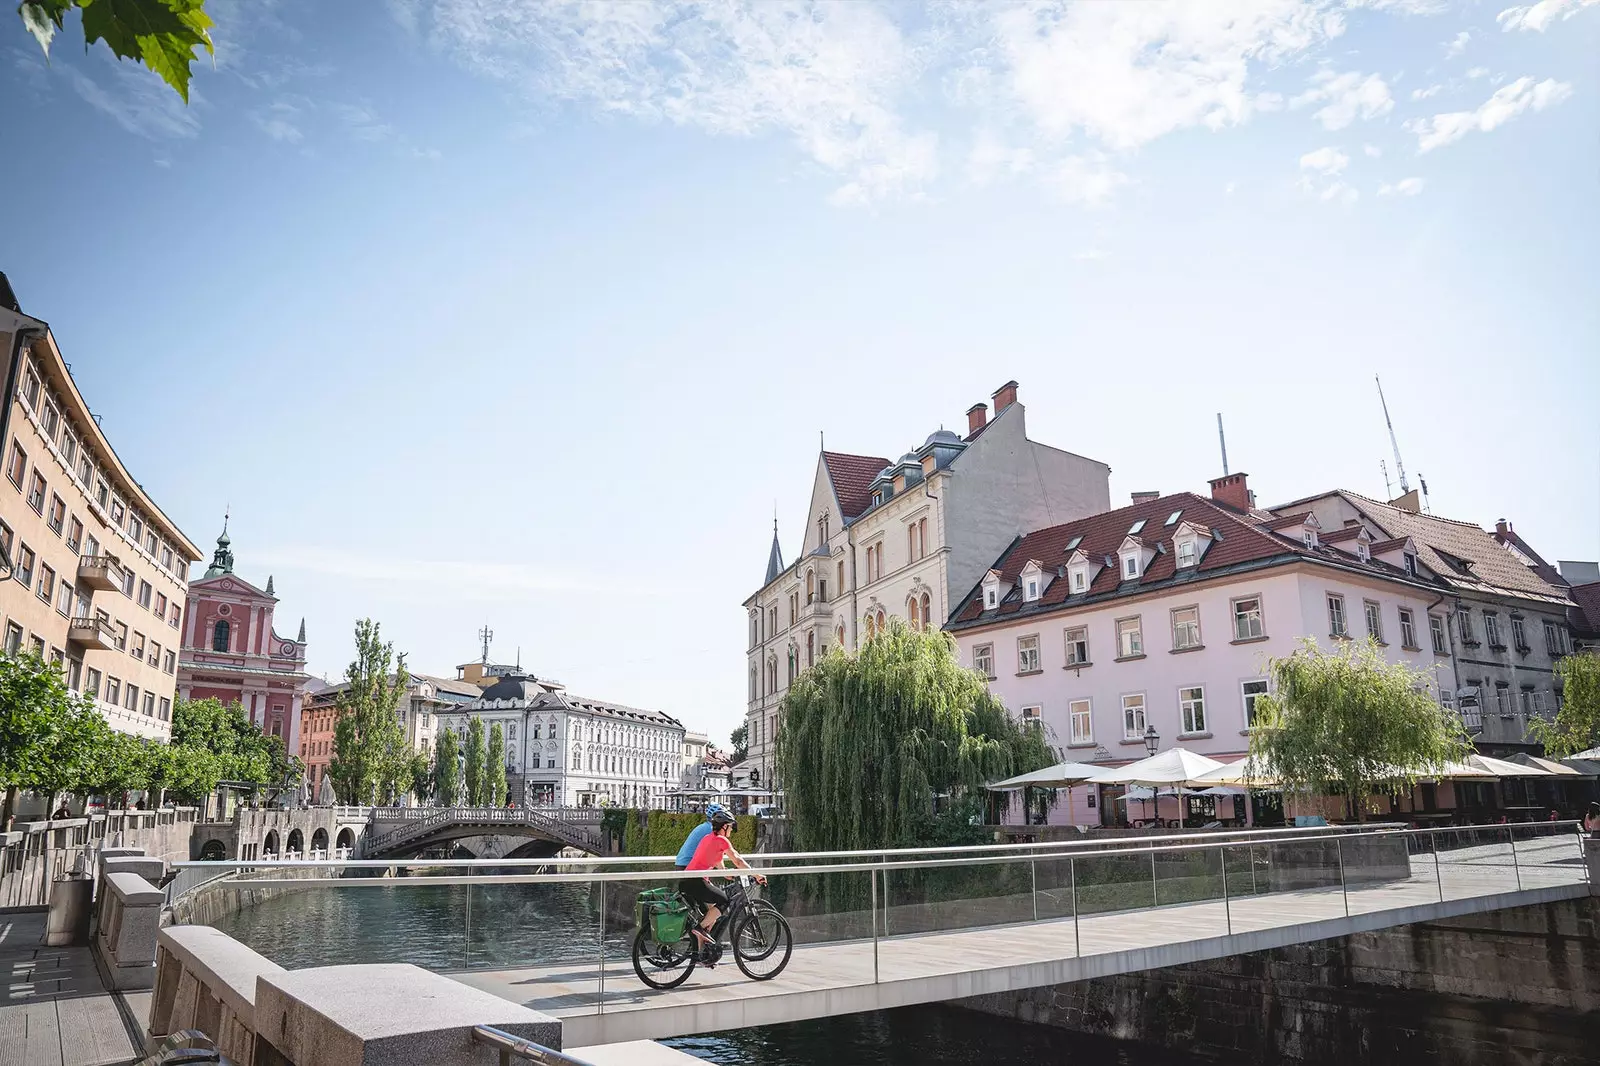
(466, 947)
(1155, 893)
(875, 926)
(1438, 874)
(1252, 869)
(601, 1004)
(1033, 892)
(1227, 908)
(1515, 865)
(1344, 887)
(1077, 939)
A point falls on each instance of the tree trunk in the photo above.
(8, 808)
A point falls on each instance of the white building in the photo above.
(572, 751)
(902, 538)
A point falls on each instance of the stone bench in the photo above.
(206, 980)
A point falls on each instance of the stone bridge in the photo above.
(403, 832)
(256, 833)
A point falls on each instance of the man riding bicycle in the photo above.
(714, 849)
(696, 835)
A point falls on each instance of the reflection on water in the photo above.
(523, 925)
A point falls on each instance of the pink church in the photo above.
(232, 652)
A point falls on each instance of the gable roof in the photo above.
(852, 477)
(1512, 542)
(1584, 615)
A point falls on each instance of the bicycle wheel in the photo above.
(776, 941)
(662, 965)
(758, 934)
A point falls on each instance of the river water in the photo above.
(520, 925)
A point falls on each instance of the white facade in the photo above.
(571, 751)
(902, 539)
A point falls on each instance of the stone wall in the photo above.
(1520, 985)
(33, 854)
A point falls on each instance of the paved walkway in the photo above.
(56, 1011)
(857, 975)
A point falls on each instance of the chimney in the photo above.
(1502, 527)
(977, 417)
(1004, 397)
(1231, 491)
(1145, 497)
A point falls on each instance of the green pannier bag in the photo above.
(662, 915)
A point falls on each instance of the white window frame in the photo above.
(983, 659)
(1130, 565)
(1372, 613)
(1408, 628)
(1030, 591)
(1187, 552)
(1438, 634)
(1180, 629)
(1260, 618)
(1135, 717)
(1338, 618)
(1248, 697)
(1071, 646)
(1032, 717)
(1192, 709)
(1079, 576)
(1080, 712)
(1131, 648)
(1029, 643)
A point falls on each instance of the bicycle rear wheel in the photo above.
(663, 965)
(762, 944)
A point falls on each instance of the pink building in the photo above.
(232, 652)
(1163, 615)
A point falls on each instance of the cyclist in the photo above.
(696, 835)
(714, 849)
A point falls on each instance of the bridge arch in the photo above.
(296, 842)
(346, 840)
(213, 851)
(269, 845)
(319, 840)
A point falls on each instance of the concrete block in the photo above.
(383, 1015)
(1591, 855)
(150, 868)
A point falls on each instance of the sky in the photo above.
(530, 315)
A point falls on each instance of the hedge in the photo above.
(652, 833)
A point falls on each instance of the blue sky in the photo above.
(528, 314)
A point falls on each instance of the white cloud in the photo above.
(1326, 161)
(1229, 189)
(1372, 151)
(1349, 96)
(1403, 187)
(1089, 255)
(1423, 94)
(1457, 44)
(1507, 103)
(476, 580)
(1538, 17)
(138, 101)
(279, 122)
(362, 122)
(1341, 192)
(1080, 180)
(1477, 72)
(991, 157)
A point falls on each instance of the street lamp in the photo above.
(1152, 739)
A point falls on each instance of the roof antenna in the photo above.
(1400, 468)
(1223, 440)
(486, 635)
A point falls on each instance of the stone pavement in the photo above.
(56, 1011)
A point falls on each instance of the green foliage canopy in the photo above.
(1577, 724)
(446, 769)
(476, 781)
(1348, 722)
(870, 740)
(370, 754)
(495, 767)
(161, 34)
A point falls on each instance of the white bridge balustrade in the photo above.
(396, 829)
(881, 929)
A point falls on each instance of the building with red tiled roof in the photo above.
(902, 538)
(1156, 622)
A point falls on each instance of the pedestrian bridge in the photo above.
(880, 930)
(398, 832)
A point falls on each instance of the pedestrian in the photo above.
(1591, 820)
(696, 835)
(62, 812)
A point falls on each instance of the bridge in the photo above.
(402, 832)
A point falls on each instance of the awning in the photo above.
(1522, 758)
(1175, 766)
(1482, 768)
(1061, 775)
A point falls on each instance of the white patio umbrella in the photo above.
(1242, 772)
(1483, 768)
(1522, 758)
(1175, 766)
(325, 793)
(1061, 775)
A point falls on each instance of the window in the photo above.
(1519, 635)
(36, 492)
(13, 638)
(1192, 706)
(149, 707)
(131, 697)
(86, 471)
(1337, 624)
(23, 568)
(1361, 551)
(5, 538)
(927, 609)
(177, 613)
(983, 659)
(1031, 590)
(1027, 655)
(1408, 629)
(1078, 646)
(1491, 630)
(161, 605)
(166, 709)
(137, 650)
(1030, 718)
(1080, 579)
(1411, 564)
(166, 558)
(913, 613)
(64, 600)
(1133, 724)
(74, 533)
(1464, 625)
(17, 467)
(121, 638)
(220, 634)
(1081, 722)
(91, 683)
(58, 514)
(1309, 536)
(135, 528)
(155, 655)
(1374, 614)
(150, 544)
(69, 449)
(1186, 552)
(36, 642)
(113, 692)
(1130, 566)
(47, 583)
(1441, 643)
(118, 512)
(50, 419)
(30, 388)
(991, 597)
(1247, 623)
(1130, 638)
(1251, 691)
(1185, 628)
(102, 494)
(144, 594)
(74, 673)
(128, 578)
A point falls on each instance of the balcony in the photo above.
(92, 633)
(100, 572)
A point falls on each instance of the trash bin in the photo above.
(71, 903)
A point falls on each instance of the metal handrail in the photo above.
(991, 859)
(515, 1046)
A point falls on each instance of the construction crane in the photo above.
(1400, 468)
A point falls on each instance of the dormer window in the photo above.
(1080, 580)
(1361, 551)
(991, 598)
(877, 497)
(1031, 592)
(1309, 536)
(1186, 553)
(1130, 566)
(1411, 564)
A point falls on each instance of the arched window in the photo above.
(794, 663)
(220, 634)
(912, 610)
(838, 634)
(880, 620)
(927, 610)
(811, 650)
(752, 682)
(811, 586)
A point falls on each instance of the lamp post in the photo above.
(1152, 739)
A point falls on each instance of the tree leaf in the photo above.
(42, 18)
(162, 34)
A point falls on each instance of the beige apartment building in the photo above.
(94, 574)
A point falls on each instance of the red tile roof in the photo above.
(1585, 616)
(1379, 547)
(1339, 536)
(1510, 539)
(852, 477)
(1286, 521)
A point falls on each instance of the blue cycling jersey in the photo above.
(696, 835)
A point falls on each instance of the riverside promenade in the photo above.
(56, 1011)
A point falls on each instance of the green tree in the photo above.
(740, 740)
(495, 767)
(35, 706)
(1577, 724)
(1348, 722)
(213, 741)
(420, 772)
(370, 754)
(476, 781)
(446, 769)
(160, 34)
(870, 740)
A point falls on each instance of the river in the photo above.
(518, 925)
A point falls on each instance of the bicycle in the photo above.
(665, 951)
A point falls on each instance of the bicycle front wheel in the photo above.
(662, 965)
(762, 944)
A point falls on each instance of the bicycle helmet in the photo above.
(713, 809)
(720, 818)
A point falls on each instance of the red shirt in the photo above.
(709, 855)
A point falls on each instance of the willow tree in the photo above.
(1577, 723)
(871, 741)
(1350, 723)
(495, 767)
(475, 782)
